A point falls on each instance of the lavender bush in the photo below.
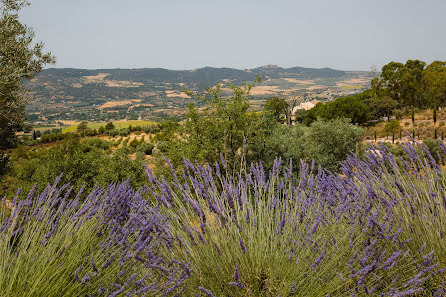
(376, 229)
(115, 243)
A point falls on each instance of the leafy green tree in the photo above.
(300, 115)
(109, 126)
(123, 132)
(113, 132)
(392, 126)
(391, 74)
(224, 127)
(277, 107)
(435, 79)
(329, 142)
(101, 130)
(381, 107)
(313, 114)
(20, 58)
(412, 83)
(82, 127)
(146, 148)
(278, 141)
(345, 107)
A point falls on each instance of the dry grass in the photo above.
(176, 94)
(357, 81)
(118, 103)
(424, 127)
(100, 78)
(316, 87)
(96, 78)
(300, 82)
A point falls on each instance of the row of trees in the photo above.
(399, 87)
(413, 84)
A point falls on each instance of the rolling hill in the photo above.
(58, 94)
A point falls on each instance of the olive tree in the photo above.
(20, 58)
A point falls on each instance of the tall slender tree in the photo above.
(434, 115)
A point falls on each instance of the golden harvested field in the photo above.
(316, 87)
(118, 103)
(96, 78)
(301, 82)
(357, 81)
(176, 94)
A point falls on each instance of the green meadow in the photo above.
(119, 125)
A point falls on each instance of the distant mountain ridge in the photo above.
(201, 76)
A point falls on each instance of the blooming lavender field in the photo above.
(377, 229)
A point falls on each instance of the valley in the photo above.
(60, 95)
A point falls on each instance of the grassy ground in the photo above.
(118, 125)
(351, 87)
(424, 127)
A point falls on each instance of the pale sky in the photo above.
(189, 34)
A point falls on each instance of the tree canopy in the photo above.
(346, 107)
(413, 84)
(20, 58)
(277, 107)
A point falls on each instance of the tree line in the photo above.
(398, 90)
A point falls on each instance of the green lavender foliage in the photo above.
(113, 244)
(316, 235)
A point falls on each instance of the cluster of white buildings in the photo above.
(306, 105)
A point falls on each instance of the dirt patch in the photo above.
(95, 78)
(174, 94)
(316, 87)
(353, 82)
(118, 103)
(300, 82)
(356, 81)
(265, 90)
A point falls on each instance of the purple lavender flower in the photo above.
(242, 246)
(207, 292)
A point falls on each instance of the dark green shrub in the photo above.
(146, 148)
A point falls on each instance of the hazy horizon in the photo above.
(178, 35)
(237, 68)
